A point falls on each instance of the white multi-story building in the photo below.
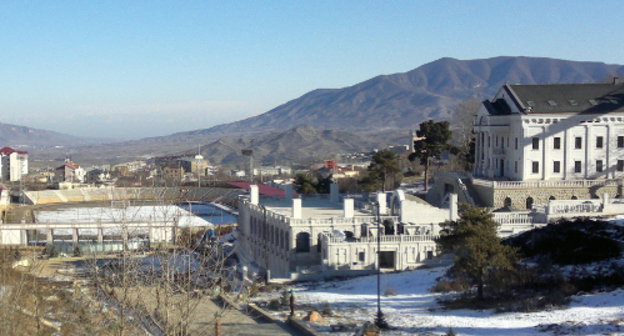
(14, 164)
(316, 237)
(555, 135)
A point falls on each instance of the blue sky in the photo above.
(133, 69)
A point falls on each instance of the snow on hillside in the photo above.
(413, 310)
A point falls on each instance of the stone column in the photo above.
(75, 236)
(50, 236)
(254, 194)
(381, 201)
(100, 235)
(296, 208)
(348, 211)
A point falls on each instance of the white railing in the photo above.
(383, 239)
(513, 218)
(544, 184)
(574, 207)
(464, 191)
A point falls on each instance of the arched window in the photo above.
(507, 202)
(574, 197)
(529, 202)
(303, 242)
(551, 198)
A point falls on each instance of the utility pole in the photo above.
(249, 152)
(380, 320)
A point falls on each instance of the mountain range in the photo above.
(383, 105)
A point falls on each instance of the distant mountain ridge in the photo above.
(386, 104)
(403, 100)
(26, 138)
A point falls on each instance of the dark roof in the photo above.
(499, 106)
(262, 189)
(568, 98)
(9, 150)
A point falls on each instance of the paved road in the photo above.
(233, 322)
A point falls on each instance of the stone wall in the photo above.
(542, 195)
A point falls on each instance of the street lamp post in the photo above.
(380, 320)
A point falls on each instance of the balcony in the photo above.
(544, 184)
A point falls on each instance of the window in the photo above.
(557, 143)
(599, 142)
(516, 144)
(578, 143)
(496, 141)
(489, 139)
(535, 167)
(620, 165)
(598, 166)
(620, 141)
(577, 166)
(535, 143)
(515, 166)
(302, 242)
(361, 257)
(529, 202)
(557, 167)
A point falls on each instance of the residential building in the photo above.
(13, 164)
(316, 237)
(70, 172)
(536, 143)
(173, 172)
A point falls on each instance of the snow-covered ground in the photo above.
(146, 213)
(414, 310)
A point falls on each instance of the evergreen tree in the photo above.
(384, 166)
(480, 257)
(305, 184)
(433, 140)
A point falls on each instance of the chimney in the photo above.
(253, 194)
(296, 208)
(333, 193)
(348, 207)
(381, 201)
(453, 215)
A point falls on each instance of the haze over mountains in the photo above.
(22, 137)
(397, 102)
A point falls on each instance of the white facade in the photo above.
(321, 237)
(13, 164)
(523, 134)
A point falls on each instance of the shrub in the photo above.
(274, 304)
(327, 310)
(389, 292)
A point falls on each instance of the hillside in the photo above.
(386, 105)
(403, 100)
(26, 138)
(298, 144)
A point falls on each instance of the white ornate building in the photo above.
(318, 237)
(556, 141)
